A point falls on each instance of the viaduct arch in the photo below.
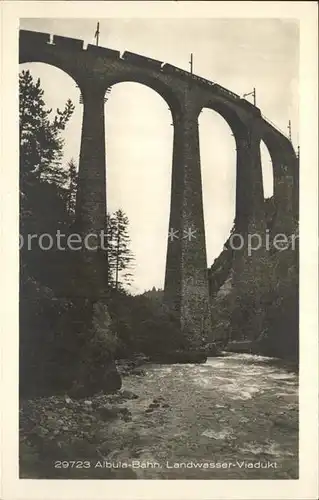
(95, 69)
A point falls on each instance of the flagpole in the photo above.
(191, 63)
(97, 33)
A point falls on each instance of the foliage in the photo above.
(59, 345)
(41, 142)
(120, 257)
(71, 188)
(103, 339)
(43, 181)
(156, 295)
(143, 325)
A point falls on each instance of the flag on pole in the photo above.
(97, 33)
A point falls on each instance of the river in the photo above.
(234, 417)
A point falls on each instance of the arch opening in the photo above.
(139, 144)
(218, 165)
(156, 85)
(267, 171)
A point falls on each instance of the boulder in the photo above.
(211, 350)
(96, 379)
(108, 413)
(138, 371)
(131, 365)
(110, 381)
(154, 405)
(125, 394)
(140, 359)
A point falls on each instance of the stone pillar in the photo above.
(91, 194)
(249, 180)
(96, 369)
(186, 280)
(285, 168)
(249, 221)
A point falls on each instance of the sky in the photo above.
(239, 54)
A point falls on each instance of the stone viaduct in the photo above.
(96, 69)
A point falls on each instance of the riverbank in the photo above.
(175, 422)
(57, 431)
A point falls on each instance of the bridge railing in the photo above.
(296, 151)
(276, 127)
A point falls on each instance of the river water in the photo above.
(234, 417)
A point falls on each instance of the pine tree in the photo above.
(120, 257)
(41, 144)
(72, 187)
(44, 181)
